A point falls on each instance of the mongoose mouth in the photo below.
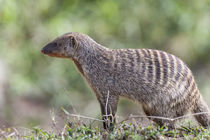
(51, 54)
(50, 50)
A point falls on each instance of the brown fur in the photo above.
(161, 82)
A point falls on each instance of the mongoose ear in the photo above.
(73, 42)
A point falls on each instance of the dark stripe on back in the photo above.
(116, 63)
(143, 68)
(144, 52)
(150, 67)
(165, 67)
(138, 55)
(185, 73)
(192, 94)
(131, 61)
(144, 63)
(157, 67)
(193, 87)
(189, 80)
(123, 61)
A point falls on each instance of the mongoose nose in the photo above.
(45, 50)
(49, 48)
(42, 51)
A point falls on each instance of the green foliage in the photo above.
(124, 130)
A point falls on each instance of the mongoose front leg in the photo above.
(108, 110)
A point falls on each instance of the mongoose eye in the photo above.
(55, 43)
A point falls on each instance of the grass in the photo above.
(125, 130)
(130, 129)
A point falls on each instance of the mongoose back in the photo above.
(159, 81)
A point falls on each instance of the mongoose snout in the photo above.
(49, 48)
(161, 82)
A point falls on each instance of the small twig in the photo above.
(63, 132)
(17, 133)
(80, 116)
(163, 118)
(3, 133)
(10, 135)
(107, 100)
(85, 117)
(189, 115)
(52, 112)
(107, 115)
(152, 117)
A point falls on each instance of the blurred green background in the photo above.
(34, 87)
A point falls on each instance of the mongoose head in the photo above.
(64, 46)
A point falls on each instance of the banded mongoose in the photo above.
(159, 81)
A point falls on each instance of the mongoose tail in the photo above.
(201, 106)
(160, 81)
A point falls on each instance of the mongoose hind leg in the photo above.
(159, 121)
(151, 113)
(203, 119)
(108, 110)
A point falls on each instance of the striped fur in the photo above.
(160, 81)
